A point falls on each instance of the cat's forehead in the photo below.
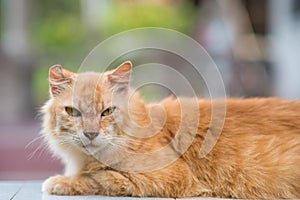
(87, 83)
(89, 90)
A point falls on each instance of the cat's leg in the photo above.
(105, 182)
(64, 185)
(93, 179)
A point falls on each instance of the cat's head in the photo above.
(89, 111)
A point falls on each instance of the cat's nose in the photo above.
(91, 135)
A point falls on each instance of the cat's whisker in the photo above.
(40, 147)
(65, 141)
(34, 140)
(68, 140)
(43, 149)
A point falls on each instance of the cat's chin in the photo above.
(92, 149)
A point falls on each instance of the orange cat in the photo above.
(112, 143)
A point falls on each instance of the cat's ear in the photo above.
(59, 79)
(120, 77)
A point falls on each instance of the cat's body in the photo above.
(256, 156)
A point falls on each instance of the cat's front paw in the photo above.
(59, 185)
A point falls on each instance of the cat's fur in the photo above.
(256, 156)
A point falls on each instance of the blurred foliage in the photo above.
(125, 15)
(48, 8)
(59, 35)
(57, 27)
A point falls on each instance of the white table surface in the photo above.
(31, 190)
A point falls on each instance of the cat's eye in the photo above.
(108, 111)
(72, 111)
